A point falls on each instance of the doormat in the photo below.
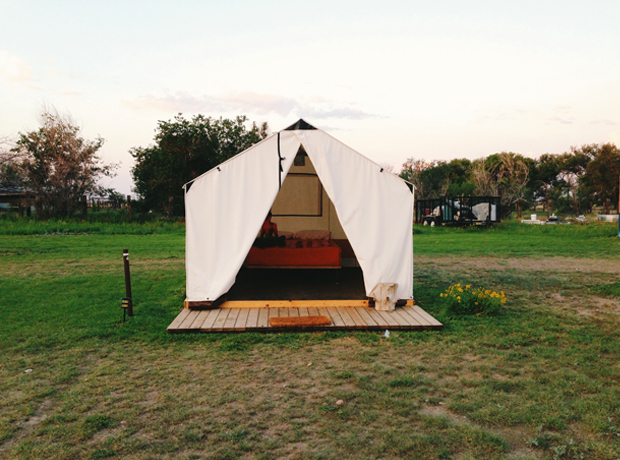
(299, 321)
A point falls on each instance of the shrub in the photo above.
(469, 300)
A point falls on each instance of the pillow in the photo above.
(313, 235)
(287, 235)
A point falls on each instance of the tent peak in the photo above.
(299, 125)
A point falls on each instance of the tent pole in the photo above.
(280, 162)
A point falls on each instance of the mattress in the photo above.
(297, 254)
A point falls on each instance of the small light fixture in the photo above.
(125, 303)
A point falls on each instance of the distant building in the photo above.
(15, 198)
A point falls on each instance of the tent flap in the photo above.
(224, 210)
(374, 207)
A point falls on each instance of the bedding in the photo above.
(297, 253)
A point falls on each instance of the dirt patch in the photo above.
(28, 425)
(39, 415)
(158, 262)
(558, 264)
(442, 411)
(586, 306)
(514, 436)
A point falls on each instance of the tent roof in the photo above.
(299, 125)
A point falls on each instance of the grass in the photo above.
(538, 380)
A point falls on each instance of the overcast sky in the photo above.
(392, 79)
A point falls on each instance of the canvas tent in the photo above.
(226, 206)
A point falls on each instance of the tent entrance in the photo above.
(302, 209)
(302, 205)
(298, 284)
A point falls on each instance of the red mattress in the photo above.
(297, 254)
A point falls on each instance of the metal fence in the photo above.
(458, 211)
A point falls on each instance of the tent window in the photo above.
(301, 195)
(300, 158)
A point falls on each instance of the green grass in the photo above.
(538, 380)
(513, 239)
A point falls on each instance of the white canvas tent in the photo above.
(226, 207)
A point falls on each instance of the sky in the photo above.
(432, 80)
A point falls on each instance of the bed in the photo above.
(297, 253)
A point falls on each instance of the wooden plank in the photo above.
(263, 318)
(202, 315)
(433, 321)
(428, 316)
(399, 319)
(389, 319)
(208, 323)
(189, 319)
(218, 325)
(203, 304)
(178, 320)
(335, 316)
(380, 320)
(357, 319)
(241, 319)
(411, 318)
(348, 321)
(368, 319)
(344, 314)
(232, 318)
(419, 318)
(293, 303)
(252, 320)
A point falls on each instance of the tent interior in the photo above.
(303, 204)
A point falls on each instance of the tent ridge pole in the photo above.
(280, 163)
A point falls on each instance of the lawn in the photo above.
(541, 379)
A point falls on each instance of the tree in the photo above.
(184, 149)
(58, 165)
(512, 173)
(459, 178)
(11, 176)
(482, 178)
(430, 178)
(602, 172)
(505, 174)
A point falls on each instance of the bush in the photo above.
(470, 300)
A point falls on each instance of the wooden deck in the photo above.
(231, 318)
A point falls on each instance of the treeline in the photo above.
(571, 182)
(54, 167)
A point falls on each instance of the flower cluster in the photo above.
(468, 300)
